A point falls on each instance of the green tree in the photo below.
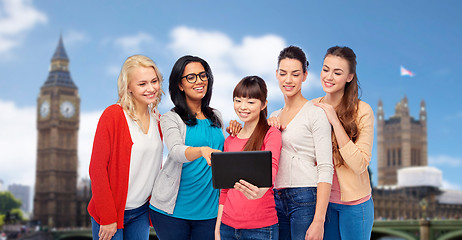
(8, 202)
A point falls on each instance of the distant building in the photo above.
(408, 188)
(83, 198)
(58, 117)
(21, 192)
(1, 185)
(401, 141)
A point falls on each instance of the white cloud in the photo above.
(18, 143)
(88, 123)
(209, 45)
(132, 44)
(444, 160)
(258, 55)
(16, 18)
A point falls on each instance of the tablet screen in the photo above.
(254, 167)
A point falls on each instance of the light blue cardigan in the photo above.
(167, 183)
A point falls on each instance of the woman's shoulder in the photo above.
(364, 108)
(316, 100)
(311, 110)
(113, 110)
(272, 131)
(365, 113)
(170, 115)
(276, 113)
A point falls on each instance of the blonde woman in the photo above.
(127, 153)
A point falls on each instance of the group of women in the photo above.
(320, 148)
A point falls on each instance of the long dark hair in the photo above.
(254, 87)
(294, 52)
(347, 110)
(179, 99)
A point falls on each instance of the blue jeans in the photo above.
(295, 208)
(349, 221)
(172, 228)
(136, 225)
(264, 233)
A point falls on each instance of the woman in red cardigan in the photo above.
(127, 153)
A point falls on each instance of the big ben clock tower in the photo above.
(58, 107)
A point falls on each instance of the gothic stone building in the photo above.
(58, 108)
(408, 188)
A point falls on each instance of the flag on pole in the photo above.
(405, 72)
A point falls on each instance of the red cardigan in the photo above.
(110, 167)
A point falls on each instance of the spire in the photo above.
(60, 52)
(380, 113)
(423, 112)
(59, 69)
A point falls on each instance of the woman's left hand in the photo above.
(315, 231)
(249, 190)
(330, 112)
(234, 128)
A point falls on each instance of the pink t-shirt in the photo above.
(240, 212)
(335, 194)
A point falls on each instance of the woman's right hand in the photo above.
(275, 122)
(207, 154)
(249, 190)
(217, 234)
(106, 232)
(234, 128)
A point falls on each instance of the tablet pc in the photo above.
(254, 167)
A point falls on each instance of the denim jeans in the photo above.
(172, 228)
(136, 225)
(295, 208)
(349, 221)
(264, 233)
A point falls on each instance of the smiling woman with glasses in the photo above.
(184, 204)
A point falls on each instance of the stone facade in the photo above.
(401, 141)
(57, 125)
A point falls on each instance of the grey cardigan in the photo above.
(167, 183)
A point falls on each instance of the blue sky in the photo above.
(237, 38)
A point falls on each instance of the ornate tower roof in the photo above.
(59, 69)
(60, 52)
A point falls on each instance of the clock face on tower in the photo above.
(44, 109)
(67, 109)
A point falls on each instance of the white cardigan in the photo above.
(306, 154)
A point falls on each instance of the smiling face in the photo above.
(290, 76)
(248, 109)
(335, 74)
(143, 85)
(193, 91)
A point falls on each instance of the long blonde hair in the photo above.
(126, 100)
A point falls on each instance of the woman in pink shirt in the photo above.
(350, 214)
(248, 212)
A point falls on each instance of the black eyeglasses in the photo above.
(192, 77)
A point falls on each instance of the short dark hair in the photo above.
(179, 99)
(294, 52)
